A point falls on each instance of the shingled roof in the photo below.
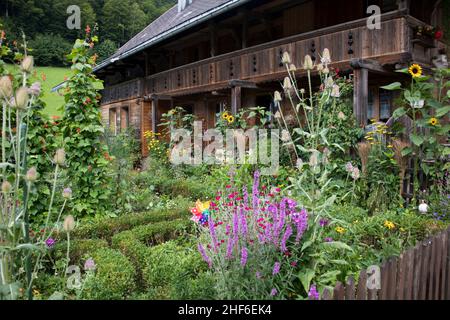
(171, 23)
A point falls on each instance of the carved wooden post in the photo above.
(236, 99)
(361, 95)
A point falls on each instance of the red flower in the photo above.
(439, 35)
(218, 198)
(294, 264)
(88, 29)
(228, 187)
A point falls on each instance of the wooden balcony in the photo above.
(124, 91)
(391, 44)
(263, 63)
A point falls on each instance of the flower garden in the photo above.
(84, 217)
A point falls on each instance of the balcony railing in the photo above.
(263, 62)
(123, 91)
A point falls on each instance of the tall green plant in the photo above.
(427, 104)
(17, 249)
(82, 131)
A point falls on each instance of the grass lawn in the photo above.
(50, 77)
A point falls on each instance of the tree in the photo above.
(121, 20)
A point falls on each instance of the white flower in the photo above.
(356, 173)
(285, 136)
(287, 84)
(335, 92)
(308, 65)
(423, 208)
(326, 57)
(286, 59)
(277, 97)
(418, 104)
(292, 67)
(329, 83)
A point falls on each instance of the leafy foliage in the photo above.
(87, 156)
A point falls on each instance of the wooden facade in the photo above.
(234, 61)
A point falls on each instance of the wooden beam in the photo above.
(371, 65)
(243, 84)
(236, 99)
(361, 95)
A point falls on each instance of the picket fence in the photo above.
(420, 273)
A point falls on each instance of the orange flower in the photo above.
(44, 77)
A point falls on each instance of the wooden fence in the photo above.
(421, 273)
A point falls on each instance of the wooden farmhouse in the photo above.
(213, 55)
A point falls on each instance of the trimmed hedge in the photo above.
(108, 227)
(136, 242)
(175, 271)
(114, 278)
(78, 249)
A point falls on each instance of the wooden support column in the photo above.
(154, 111)
(236, 99)
(361, 95)
(213, 39)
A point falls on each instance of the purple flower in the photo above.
(301, 221)
(274, 292)
(244, 256)
(349, 167)
(328, 239)
(230, 246)
(324, 222)
(245, 195)
(243, 227)
(50, 242)
(258, 275)
(313, 294)
(212, 232)
(204, 255)
(276, 268)
(286, 237)
(89, 265)
(291, 203)
(255, 191)
(35, 89)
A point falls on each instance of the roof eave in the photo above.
(173, 31)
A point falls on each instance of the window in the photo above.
(124, 118)
(113, 120)
(380, 104)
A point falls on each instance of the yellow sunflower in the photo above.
(415, 71)
(230, 119)
(434, 122)
(225, 115)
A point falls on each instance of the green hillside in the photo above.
(50, 77)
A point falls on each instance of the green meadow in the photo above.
(50, 77)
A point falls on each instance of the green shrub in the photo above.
(106, 228)
(136, 242)
(173, 271)
(50, 50)
(78, 249)
(114, 278)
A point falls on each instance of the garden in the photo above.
(85, 217)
